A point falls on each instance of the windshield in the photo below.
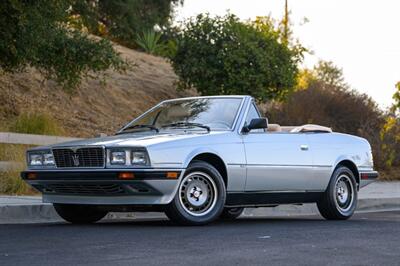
(215, 113)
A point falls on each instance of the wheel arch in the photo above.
(352, 166)
(214, 159)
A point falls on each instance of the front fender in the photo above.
(198, 151)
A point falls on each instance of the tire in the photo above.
(340, 198)
(79, 214)
(200, 198)
(231, 213)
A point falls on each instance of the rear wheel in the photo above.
(340, 199)
(231, 213)
(200, 197)
(79, 214)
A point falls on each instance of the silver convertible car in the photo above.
(198, 159)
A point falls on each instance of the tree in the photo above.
(329, 74)
(223, 55)
(390, 133)
(36, 33)
(396, 98)
(124, 20)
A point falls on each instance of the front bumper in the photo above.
(105, 187)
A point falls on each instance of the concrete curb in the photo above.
(45, 213)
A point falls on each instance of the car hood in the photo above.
(135, 139)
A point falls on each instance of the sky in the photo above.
(360, 36)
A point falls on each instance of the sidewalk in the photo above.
(29, 209)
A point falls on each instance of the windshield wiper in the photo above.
(138, 127)
(187, 124)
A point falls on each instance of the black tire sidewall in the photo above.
(332, 193)
(179, 214)
(229, 214)
(80, 214)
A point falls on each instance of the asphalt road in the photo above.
(366, 239)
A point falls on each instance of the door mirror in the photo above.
(256, 123)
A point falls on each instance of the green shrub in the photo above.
(149, 41)
(36, 123)
(167, 49)
(223, 55)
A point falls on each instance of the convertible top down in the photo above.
(201, 158)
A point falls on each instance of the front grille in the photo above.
(81, 189)
(91, 157)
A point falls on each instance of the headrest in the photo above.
(274, 128)
(311, 128)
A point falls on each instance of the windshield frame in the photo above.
(235, 121)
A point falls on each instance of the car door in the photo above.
(276, 161)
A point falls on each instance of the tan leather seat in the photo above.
(311, 128)
(274, 128)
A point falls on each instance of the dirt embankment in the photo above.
(97, 106)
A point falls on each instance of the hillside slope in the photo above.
(97, 106)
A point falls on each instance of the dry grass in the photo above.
(36, 123)
(96, 106)
(10, 181)
(12, 184)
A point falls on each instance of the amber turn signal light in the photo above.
(126, 175)
(172, 175)
(31, 176)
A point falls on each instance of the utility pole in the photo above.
(285, 23)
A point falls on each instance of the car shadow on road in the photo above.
(242, 221)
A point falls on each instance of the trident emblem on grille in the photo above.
(75, 159)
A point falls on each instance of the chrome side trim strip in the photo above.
(281, 165)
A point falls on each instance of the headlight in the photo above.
(118, 157)
(35, 159)
(48, 159)
(41, 158)
(139, 157)
(127, 157)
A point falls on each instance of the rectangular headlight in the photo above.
(139, 157)
(48, 159)
(118, 157)
(35, 159)
(41, 158)
(127, 157)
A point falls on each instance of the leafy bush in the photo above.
(36, 123)
(390, 133)
(222, 55)
(149, 41)
(35, 33)
(124, 19)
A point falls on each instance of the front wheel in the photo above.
(200, 197)
(79, 214)
(340, 199)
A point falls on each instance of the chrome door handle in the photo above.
(304, 147)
